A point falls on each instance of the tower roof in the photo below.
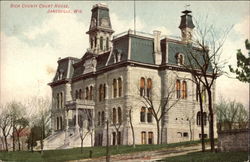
(100, 19)
(186, 20)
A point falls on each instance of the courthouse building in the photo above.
(113, 77)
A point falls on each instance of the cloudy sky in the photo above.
(32, 39)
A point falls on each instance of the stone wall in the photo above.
(234, 140)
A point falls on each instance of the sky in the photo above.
(32, 39)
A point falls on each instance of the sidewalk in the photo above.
(146, 155)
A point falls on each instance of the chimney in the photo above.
(186, 26)
(157, 47)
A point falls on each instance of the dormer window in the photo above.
(117, 55)
(180, 59)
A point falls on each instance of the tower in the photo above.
(100, 29)
(186, 26)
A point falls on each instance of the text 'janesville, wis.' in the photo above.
(52, 8)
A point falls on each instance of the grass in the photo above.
(209, 157)
(75, 153)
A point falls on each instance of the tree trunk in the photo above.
(158, 131)
(132, 128)
(211, 121)
(107, 145)
(13, 137)
(6, 143)
(202, 123)
(81, 144)
(18, 139)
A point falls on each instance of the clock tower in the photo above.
(100, 29)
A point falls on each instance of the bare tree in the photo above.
(21, 124)
(204, 62)
(159, 112)
(5, 124)
(231, 115)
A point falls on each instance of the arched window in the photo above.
(76, 94)
(57, 123)
(119, 138)
(114, 88)
(104, 91)
(204, 118)
(61, 96)
(80, 94)
(114, 137)
(149, 115)
(142, 114)
(99, 118)
(178, 89)
(103, 118)
(87, 93)
(57, 100)
(143, 137)
(184, 89)
(107, 43)
(150, 137)
(181, 59)
(114, 116)
(100, 92)
(198, 118)
(101, 43)
(119, 115)
(119, 87)
(91, 93)
(142, 86)
(149, 87)
(95, 41)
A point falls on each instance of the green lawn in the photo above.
(209, 157)
(74, 154)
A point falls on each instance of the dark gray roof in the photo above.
(186, 20)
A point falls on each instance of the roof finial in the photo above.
(187, 6)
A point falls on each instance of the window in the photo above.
(184, 89)
(205, 135)
(143, 137)
(114, 138)
(80, 94)
(119, 136)
(99, 140)
(143, 113)
(101, 43)
(149, 87)
(119, 87)
(76, 95)
(149, 115)
(114, 88)
(185, 134)
(99, 118)
(95, 41)
(114, 116)
(57, 100)
(104, 91)
(119, 115)
(150, 137)
(91, 93)
(57, 123)
(92, 42)
(198, 118)
(103, 118)
(178, 89)
(180, 59)
(100, 92)
(107, 43)
(87, 93)
(61, 94)
(142, 87)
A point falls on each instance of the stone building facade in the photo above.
(111, 79)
